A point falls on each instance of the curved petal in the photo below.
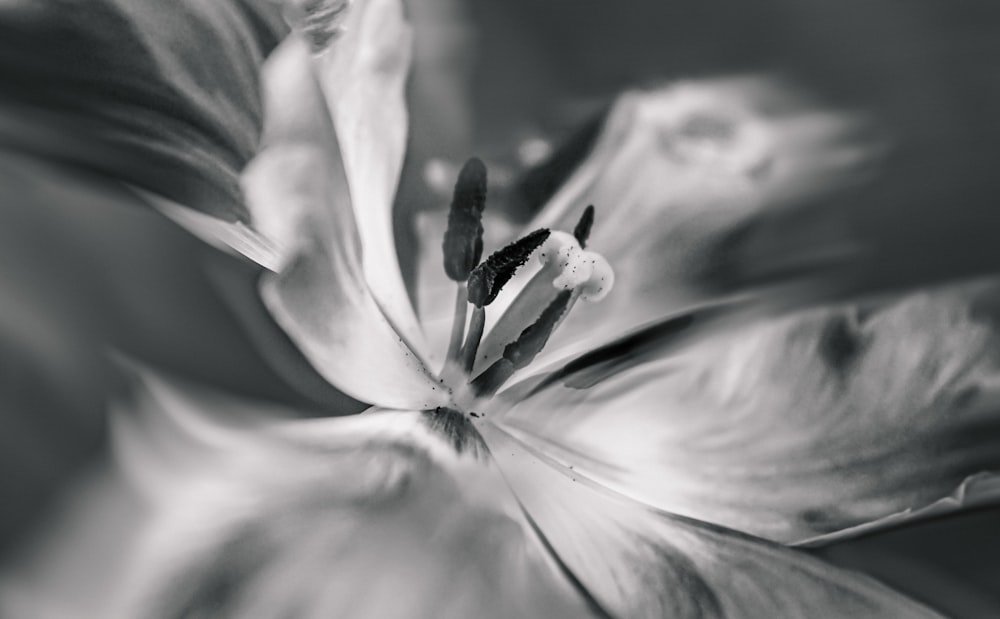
(361, 56)
(244, 513)
(126, 88)
(674, 166)
(363, 75)
(793, 428)
(638, 562)
(366, 516)
(939, 177)
(319, 295)
(976, 491)
(382, 515)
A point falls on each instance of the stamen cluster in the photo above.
(569, 272)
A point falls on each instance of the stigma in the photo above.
(565, 272)
(575, 268)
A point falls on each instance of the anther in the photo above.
(463, 240)
(486, 280)
(531, 341)
(521, 352)
(566, 267)
(583, 227)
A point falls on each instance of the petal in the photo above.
(126, 88)
(363, 76)
(672, 167)
(797, 427)
(362, 57)
(938, 177)
(364, 516)
(638, 562)
(849, 244)
(979, 490)
(320, 296)
(169, 430)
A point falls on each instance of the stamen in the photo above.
(520, 353)
(492, 378)
(486, 280)
(463, 240)
(567, 267)
(533, 339)
(476, 326)
(583, 227)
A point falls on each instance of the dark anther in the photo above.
(463, 241)
(534, 337)
(583, 227)
(489, 278)
(520, 353)
(492, 378)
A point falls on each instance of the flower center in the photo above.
(476, 367)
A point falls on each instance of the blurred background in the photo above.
(85, 267)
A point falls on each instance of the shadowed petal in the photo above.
(319, 295)
(797, 427)
(127, 88)
(638, 562)
(929, 215)
(671, 167)
(979, 490)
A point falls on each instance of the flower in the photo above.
(652, 475)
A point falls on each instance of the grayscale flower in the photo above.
(563, 429)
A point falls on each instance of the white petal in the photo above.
(298, 193)
(638, 562)
(237, 238)
(370, 516)
(793, 428)
(363, 75)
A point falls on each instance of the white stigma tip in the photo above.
(602, 278)
(577, 268)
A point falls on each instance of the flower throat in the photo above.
(478, 367)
